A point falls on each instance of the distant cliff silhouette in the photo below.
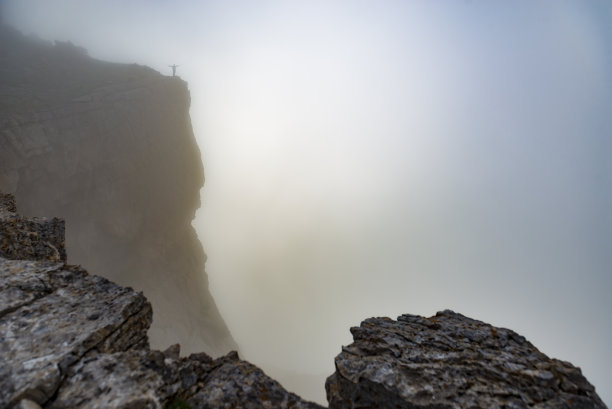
(110, 148)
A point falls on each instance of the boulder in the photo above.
(451, 361)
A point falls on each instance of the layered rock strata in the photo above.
(110, 148)
(75, 340)
(451, 361)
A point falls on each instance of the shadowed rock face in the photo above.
(451, 361)
(110, 148)
(75, 340)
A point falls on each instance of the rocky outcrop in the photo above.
(110, 148)
(29, 239)
(451, 361)
(75, 340)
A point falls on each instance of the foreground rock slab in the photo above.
(451, 361)
(54, 315)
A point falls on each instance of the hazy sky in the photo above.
(385, 157)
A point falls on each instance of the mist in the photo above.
(371, 158)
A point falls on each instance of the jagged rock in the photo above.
(146, 379)
(56, 315)
(71, 340)
(173, 351)
(451, 361)
(121, 380)
(7, 204)
(110, 148)
(29, 239)
(75, 340)
(238, 384)
(39, 239)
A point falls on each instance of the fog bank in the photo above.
(378, 158)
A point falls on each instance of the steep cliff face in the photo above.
(110, 148)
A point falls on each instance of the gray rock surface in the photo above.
(110, 149)
(57, 314)
(52, 314)
(39, 238)
(238, 384)
(75, 340)
(451, 361)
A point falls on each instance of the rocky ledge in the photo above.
(75, 340)
(451, 361)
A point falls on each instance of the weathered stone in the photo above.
(173, 351)
(29, 239)
(235, 383)
(21, 282)
(120, 380)
(451, 361)
(147, 379)
(7, 204)
(32, 239)
(55, 315)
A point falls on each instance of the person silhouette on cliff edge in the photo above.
(173, 69)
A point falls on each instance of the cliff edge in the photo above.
(110, 148)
